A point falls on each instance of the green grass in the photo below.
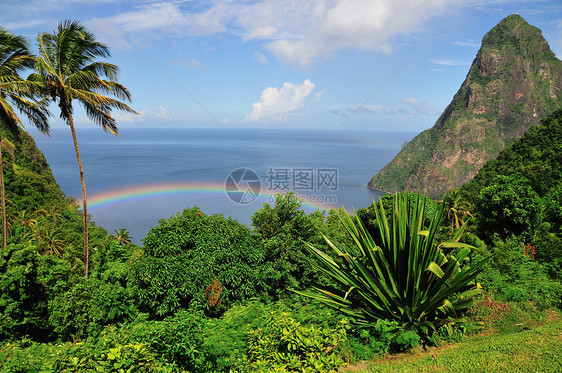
(536, 350)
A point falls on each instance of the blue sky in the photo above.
(323, 64)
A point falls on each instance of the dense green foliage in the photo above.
(282, 229)
(284, 345)
(30, 183)
(509, 206)
(207, 294)
(184, 254)
(518, 199)
(404, 277)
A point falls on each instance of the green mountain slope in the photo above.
(514, 81)
(29, 181)
(537, 156)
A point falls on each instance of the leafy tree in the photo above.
(89, 305)
(406, 277)
(508, 206)
(185, 253)
(68, 70)
(15, 93)
(282, 229)
(553, 208)
(27, 282)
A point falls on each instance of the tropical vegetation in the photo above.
(67, 71)
(17, 93)
(481, 268)
(405, 277)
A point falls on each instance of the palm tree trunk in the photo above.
(84, 202)
(3, 199)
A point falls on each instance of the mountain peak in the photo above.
(513, 82)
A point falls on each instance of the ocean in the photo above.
(145, 175)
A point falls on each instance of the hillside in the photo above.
(29, 180)
(537, 156)
(514, 81)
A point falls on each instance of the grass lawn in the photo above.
(535, 350)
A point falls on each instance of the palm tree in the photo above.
(456, 207)
(122, 236)
(68, 69)
(15, 92)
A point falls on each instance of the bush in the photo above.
(225, 339)
(88, 306)
(177, 339)
(508, 206)
(23, 293)
(104, 356)
(380, 338)
(183, 255)
(282, 229)
(514, 275)
(284, 345)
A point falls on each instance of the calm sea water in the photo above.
(154, 173)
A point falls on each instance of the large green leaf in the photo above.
(407, 276)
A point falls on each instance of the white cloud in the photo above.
(414, 108)
(129, 117)
(109, 33)
(304, 32)
(150, 17)
(163, 113)
(418, 108)
(139, 26)
(318, 95)
(275, 103)
(467, 43)
(295, 31)
(447, 62)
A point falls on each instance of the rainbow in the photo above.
(131, 194)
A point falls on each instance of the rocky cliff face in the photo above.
(514, 81)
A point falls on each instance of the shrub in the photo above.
(408, 278)
(380, 338)
(183, 255)
(281, 229)
(514, 275)
(88, 306)
(284, 345)
(104, 356)
(508, 206)
(24, 293)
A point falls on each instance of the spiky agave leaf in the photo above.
(407, 278)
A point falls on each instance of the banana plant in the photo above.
(406, 276)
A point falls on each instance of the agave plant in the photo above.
(406, 277)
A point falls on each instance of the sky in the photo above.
(321, 64)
